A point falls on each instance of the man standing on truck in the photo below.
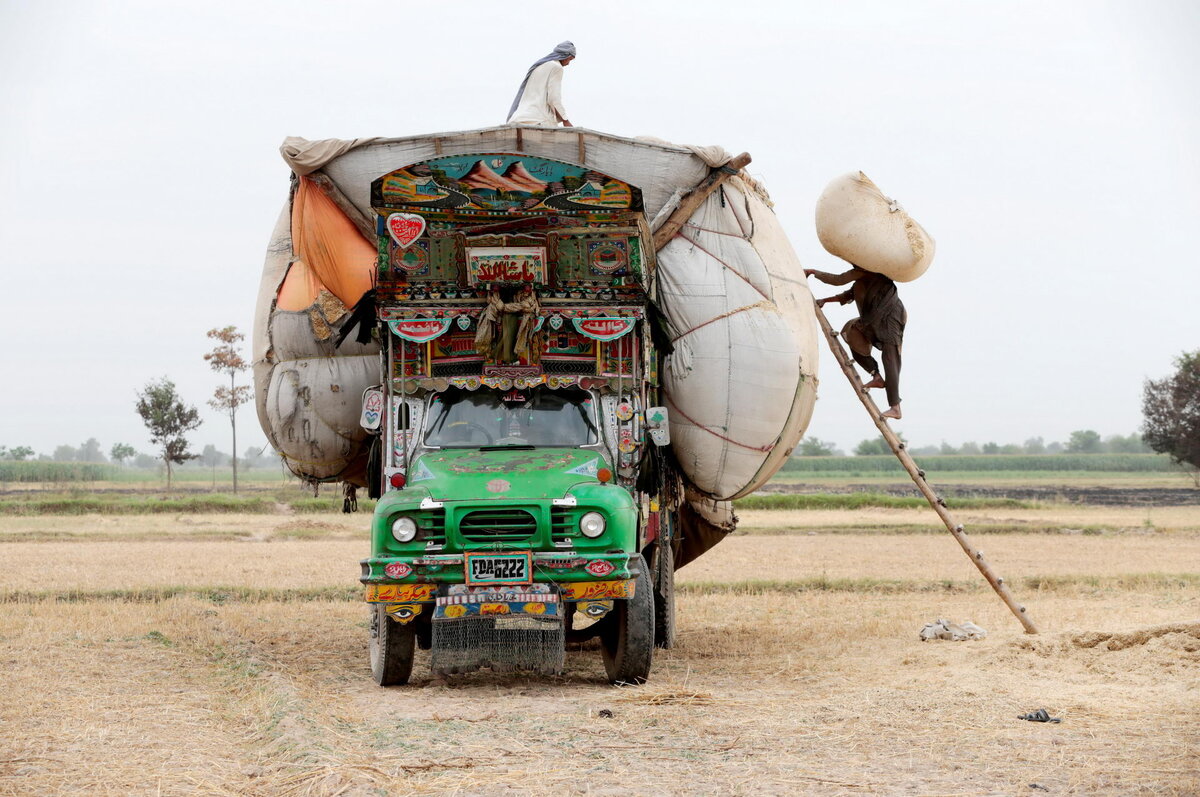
(880, 325)
(539, 100)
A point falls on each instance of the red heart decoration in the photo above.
(405, 228)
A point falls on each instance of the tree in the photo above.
(18, 454)
(872, 446)
(65, 453)
(1035, 445)
(812, 447)
(1133, 444)
(226, 359)
(90, 451)
(168, 419)
(121, 452)
(991, 448)
(209, 456)
(253, 457)
(1171, 409)
(1084, 441)
(877, 445)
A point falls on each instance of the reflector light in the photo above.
(397, 480)
(604, 475)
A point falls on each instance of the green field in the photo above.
(804, 483)
(27, 474)
(988, 463)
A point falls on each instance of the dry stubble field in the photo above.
(225, 654)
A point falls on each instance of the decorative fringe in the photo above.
(350, 499)
(527, 343)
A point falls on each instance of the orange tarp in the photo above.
(299, 288)
(335, 252)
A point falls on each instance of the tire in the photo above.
(391, 648)
(627, 642)
(664, 597)
(424, 629)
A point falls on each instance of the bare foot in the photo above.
(876, 381)
(892, 412)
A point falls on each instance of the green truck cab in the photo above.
(517, 457)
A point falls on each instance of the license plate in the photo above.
(508, 568)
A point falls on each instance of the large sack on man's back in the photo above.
(857, 223)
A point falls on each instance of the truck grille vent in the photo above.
(432, 523)
(487, 525)
(562, 525)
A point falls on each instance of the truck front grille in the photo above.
(498, 525)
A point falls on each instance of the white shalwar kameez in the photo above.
(541, 102)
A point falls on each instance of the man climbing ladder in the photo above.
(880, 325)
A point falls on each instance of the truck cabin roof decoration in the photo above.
(502, 184)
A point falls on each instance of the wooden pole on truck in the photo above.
(692, 200)
(330, 189)
(918, 476)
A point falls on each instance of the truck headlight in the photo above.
(592, 524)
(404, 529)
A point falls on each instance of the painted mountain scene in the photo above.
(503, 184)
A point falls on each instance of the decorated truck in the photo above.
(519, 388)
(553, 356)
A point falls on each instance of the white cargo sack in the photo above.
(857, 223)
(741, 382)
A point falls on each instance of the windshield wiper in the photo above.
(512, 447)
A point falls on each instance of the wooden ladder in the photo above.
(918, 476)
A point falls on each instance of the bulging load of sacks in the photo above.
(857, 223)
(740, 384)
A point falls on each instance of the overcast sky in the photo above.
(1050, 148)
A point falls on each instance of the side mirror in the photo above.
(658, 423)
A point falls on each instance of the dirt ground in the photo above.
(798, 671)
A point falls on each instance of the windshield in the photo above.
(539, 417)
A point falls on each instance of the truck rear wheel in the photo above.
(392, 647)
(627, 641)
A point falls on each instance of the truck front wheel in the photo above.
(391, 647)
(627, 641)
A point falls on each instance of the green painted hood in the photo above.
(513, 475)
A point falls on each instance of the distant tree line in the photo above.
(125, 455)
(1171, 426)
(1082, 441)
